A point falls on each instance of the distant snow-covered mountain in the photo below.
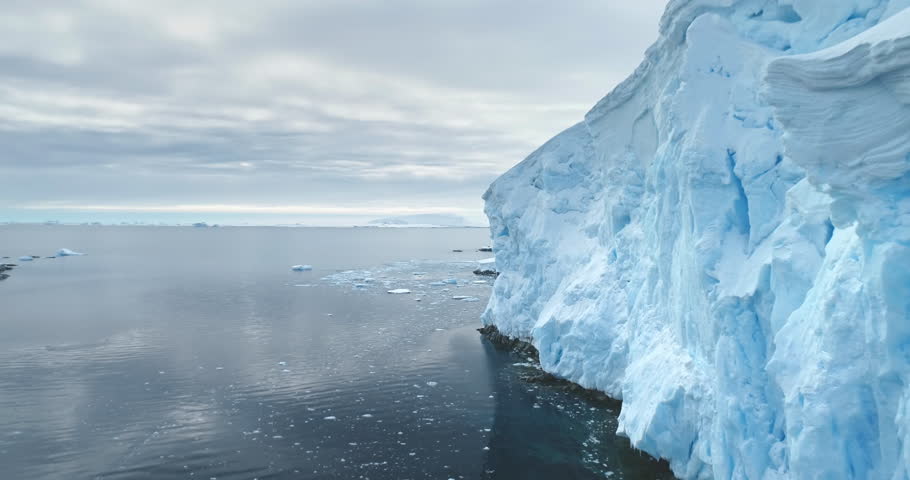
(424, 220)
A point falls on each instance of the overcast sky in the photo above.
(318, 112)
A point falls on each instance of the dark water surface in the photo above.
(196, 353)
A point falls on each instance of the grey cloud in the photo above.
(108, 102)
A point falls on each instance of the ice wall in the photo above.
(724, 242)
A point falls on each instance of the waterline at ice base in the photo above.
(723, 243)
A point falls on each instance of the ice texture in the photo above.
(724, 242)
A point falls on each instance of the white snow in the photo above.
(724, 242)
(399, 291)
(302, 268)
(65, 252)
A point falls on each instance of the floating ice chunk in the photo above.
(465, 298)
(399, 291)
(65, 252)
(432, 384)
(437, 284)
(26, 258)
(330, 417)
(487, 261)
(302, 268)
(451, 281)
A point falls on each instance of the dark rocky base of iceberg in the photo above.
(527, 351)
(486, 272)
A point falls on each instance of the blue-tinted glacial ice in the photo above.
(724, 242)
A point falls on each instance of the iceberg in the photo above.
(26, 258)
(399, 291)
(302, 268)
(65, 252)
(723, 243)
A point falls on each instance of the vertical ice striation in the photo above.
(724, 242)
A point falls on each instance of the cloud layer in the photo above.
(362, 108)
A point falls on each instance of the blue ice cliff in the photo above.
(724, 242)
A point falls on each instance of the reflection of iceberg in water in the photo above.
(552, 429)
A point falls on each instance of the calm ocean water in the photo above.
(197, 353)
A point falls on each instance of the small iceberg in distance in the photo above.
(399, 291)
(302, 268)
(465, 298)
(26, 258)
(487, 261)
(65, 252)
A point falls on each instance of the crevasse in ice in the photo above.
(724, 242)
